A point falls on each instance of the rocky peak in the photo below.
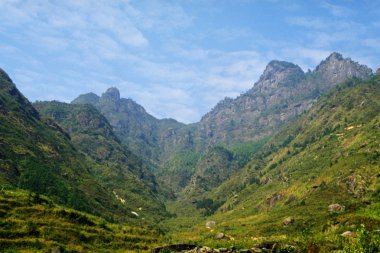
(4, 75)
(335, 57)
(89, 98)
(336, 69)
(280, 73)
(274, 67)
(112, 94)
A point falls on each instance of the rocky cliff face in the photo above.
(141, 132)
(122, 172)
(336, 69)
(282, 92)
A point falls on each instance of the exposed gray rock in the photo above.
(265, 247)
(174, 248)
(210, 224)
(219, 236)
(288, 221)
(336, 68)
(205, 249)
(356, 185)
(272, 200)
(336, 208)
(282, 93)
(348, 234)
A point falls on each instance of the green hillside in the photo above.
(34, 223)
(310, 185)
(40, 156)
(329, 155)
(119, 170)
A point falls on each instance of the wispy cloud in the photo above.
(176, 58)
(308, 22)
(337, 10)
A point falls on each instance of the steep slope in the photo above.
(282, 93)
(136, 128)
(34, 223)
(117, 168)
(213, 168)
(329, 155)
(40, 156)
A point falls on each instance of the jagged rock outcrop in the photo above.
(137, 129)
(336, 69)
(118, 169)
(283, 92)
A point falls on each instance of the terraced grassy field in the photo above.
(33, 223)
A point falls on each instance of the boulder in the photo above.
(272, 200)
(210, 224)
(348, 234)
(336, 208)
(219, 236)
(255, 250)
(174, 247)
(205, 249)
(356, 186)
(265, 246)
(288, 221)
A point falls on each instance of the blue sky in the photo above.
(176, 58)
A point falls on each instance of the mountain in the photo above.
(292, 164)
(137, 129)
(38, 155)
(282, 93)
(317, 178)
(118, 169)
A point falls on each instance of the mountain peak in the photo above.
(275, 68)
(335, 56)
(280, 73)
(89, 98)
(335, 68)
(112, 93)
(4, 75)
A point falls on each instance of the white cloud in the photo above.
(373, 43)
(308, 22)
(155, 51)
(158, 16)
(337, 10)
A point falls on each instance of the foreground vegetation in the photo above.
(314, 186)
(33, 223)
(329, 155)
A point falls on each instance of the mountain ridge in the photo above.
(282, 92)
(327, 157)
(269, 164)
(40, 155)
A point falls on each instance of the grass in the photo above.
(33, 223)
(331, 157)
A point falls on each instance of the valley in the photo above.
(294, 162)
